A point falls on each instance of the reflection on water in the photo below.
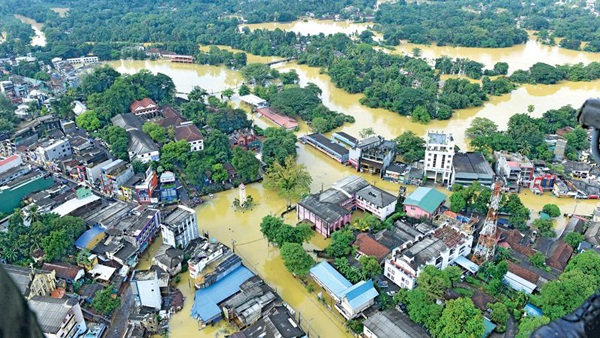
(313, 27)
(40, 38)
(185, 76)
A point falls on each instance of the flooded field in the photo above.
(520, 56)
(186, 76)
(40, 38)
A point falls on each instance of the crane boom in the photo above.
(486, 244)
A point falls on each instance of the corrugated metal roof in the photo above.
(360, 293)
(427, 199)
(331, 278)
(205, 305)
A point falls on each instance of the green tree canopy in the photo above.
(341, 243)
(551, 209)
(291, 180)
(460, 318)
(410, 146)
(295, 259)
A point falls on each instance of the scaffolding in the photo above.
(486, 244)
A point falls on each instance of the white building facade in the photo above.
(180, 227)
(439, 153)
(54, 150)
(436, 249)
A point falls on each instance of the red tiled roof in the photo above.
(513, 238)
(169, 111)
(370, 247)
(144, 103)
(523, 272)
(188, 132)
(560, 256)
(563, 131)
(63, 270)
(279, 119)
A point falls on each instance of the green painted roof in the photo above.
(427, 199)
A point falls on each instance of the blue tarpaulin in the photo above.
(205, 303)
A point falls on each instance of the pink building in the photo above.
(424, 202)
(332, 209)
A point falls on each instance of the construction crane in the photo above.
(486, 244)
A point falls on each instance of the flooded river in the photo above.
(40, 38)
(520, 56)
(219, 219)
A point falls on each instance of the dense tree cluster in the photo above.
(306, 103)
(455, 318)
(53, 234)
(525, 134)
(8, 119)
(580, 279)
(217, 56)
(448, 23)
(276, 231)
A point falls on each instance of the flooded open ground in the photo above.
(40, 38)
(219, 219)
(520, 56)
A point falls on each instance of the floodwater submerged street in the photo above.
(241, 229)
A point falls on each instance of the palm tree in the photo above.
(291, 180)
(9, 254)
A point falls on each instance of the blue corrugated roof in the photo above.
(88, 235)
(206, 300)
(360, 293)
(331, 278)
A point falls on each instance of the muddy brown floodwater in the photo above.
(40, 38)
(218, 218)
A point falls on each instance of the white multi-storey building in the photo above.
(439, 153)
(53, 150)
(180, 227)
(440, 248)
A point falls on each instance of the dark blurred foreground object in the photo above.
(17, 320)
(584, 322)
(589, 117)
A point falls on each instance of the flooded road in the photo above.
(219, 219)
(40, 38)
(313, 27)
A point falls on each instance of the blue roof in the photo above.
(88, 236)
(360, 293)
(206, 300)
(532, 310)
(331, 278)
(489, 327)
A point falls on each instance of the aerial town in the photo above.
(306, 171)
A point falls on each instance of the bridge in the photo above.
(281, 61)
